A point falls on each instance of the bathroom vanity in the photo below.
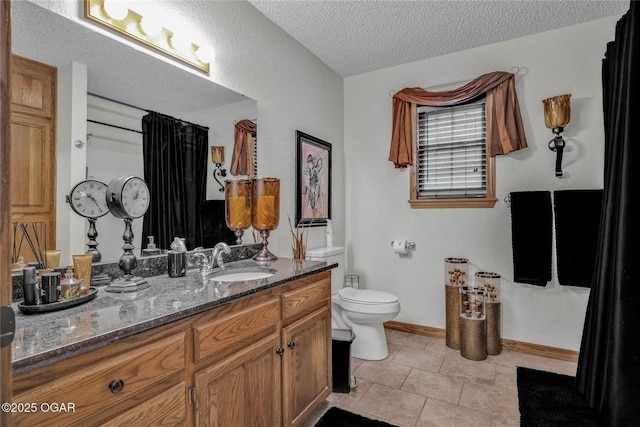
(182, 352)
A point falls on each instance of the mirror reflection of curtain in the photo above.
(243, 148)
(175, 169)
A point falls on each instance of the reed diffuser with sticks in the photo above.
(299, 245)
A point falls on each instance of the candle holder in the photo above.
(456, 272)
(490, 282)
(265, 212)
(217, 157)
(238, 196)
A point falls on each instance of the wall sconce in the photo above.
(217, 157)
(119, 17)
(557, 113)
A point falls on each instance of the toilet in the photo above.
(362, 310)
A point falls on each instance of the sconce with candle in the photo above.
(557, 113)
(217, 157)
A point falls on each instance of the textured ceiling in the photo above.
(354, 37)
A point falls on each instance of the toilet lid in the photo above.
(367, 296)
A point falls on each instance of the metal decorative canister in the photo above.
(490, 282)
(456, 273)
(473, 324)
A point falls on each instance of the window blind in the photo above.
(451, 152)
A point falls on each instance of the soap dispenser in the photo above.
(329, 234)
(177, 258)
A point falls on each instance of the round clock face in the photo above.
(88, 199)
(128, 197)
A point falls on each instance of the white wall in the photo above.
(71, 124)
(562, 61)
(293, 89)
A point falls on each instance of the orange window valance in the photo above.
(505, 132)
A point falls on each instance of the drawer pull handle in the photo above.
(116, 386)
(291, 345)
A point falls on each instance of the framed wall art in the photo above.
(313, 187)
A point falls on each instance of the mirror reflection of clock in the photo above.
(128, 197)
(88, 199)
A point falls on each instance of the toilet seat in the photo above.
(366, 296)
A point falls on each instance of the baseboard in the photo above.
(519, 346)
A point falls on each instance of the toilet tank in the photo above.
(331, 255)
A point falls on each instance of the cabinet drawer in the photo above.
(166, 409)
(134, 377)
(306, 299)
(234, 332)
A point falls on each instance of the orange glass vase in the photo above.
(238, 196)
(265, 212)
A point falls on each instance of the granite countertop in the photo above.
(42, 339)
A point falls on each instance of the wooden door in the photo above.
(6, 287)
(306, 371)
(242, 390)
(33, 158)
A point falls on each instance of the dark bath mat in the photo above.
(547, 399)
(336, 417)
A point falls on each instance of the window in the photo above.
(452, 168)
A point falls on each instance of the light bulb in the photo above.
(116, 9)
(150, 26)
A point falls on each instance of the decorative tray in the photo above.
(59, 305)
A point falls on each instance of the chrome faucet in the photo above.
(215, 262)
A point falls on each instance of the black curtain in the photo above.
(175, 169)
(609, 365)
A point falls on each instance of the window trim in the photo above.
(488, 201)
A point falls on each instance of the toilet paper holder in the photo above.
(408, 245)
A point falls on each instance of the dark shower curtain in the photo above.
(609, 365)
(175, 169)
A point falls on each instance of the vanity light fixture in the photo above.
(217, 157)
(557, 114)
(119, 17)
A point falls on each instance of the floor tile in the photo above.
(421, 359)
(506, 377)
(350, 400)
(442, 414)
(489, 398)
(406, 339)
(479, 371)
(431, 384)
(388, 374)
(394, 406)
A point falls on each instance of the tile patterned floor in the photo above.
(423, 383)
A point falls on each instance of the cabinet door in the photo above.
(306, 375)
(242, 390)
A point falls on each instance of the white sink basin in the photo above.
(242, 276)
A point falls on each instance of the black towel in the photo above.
(531, 236)
(577, 224)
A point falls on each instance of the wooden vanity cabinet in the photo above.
(267, 363)
(261, 360)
